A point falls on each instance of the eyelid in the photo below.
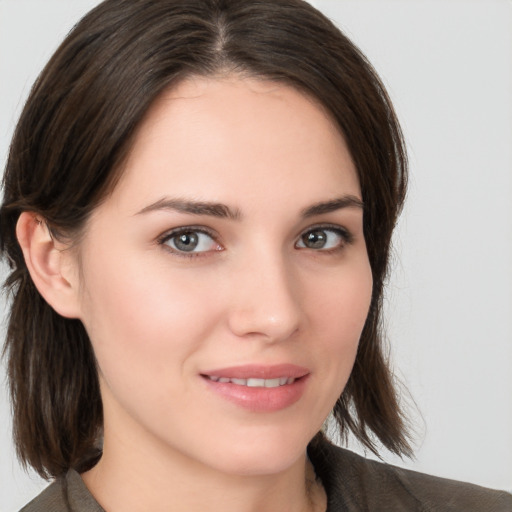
(342, 231)
(345, 233)
(167, 235)
(327, 225)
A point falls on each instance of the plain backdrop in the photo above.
(448, 67)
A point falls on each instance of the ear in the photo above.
(51, 264)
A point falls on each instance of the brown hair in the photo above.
(66, 155)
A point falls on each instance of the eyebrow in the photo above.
(333, 205)
(223, 211)
(194, 207)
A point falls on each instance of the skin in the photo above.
(252, 293)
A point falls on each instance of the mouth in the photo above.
(259, 388)
(254, 382)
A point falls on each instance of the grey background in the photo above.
(448, 67)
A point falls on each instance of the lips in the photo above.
(254, 382)
(259, 388)
(253, 371)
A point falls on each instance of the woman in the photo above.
(198, 206)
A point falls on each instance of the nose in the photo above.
(265, 300)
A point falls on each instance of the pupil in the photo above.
(315, 239)
(186, 241)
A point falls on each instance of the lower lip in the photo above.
(259, 399)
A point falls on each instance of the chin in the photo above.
(260, 466)
(261, 454)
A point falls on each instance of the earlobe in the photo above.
(50, 265)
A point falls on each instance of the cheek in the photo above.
(141, 320)
(338, 307)
(146, 328)
(340, 313)
(343, 300)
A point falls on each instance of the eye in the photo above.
(323, 238)
(190, 241)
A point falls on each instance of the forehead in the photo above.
(236, 137)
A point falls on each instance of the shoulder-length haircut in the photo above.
(67, 153)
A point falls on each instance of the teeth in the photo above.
(255, 383)
(272, 383)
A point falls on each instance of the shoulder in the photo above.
(65, 494)
(354, 483)
(52, 498)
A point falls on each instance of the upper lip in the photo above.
(259, 371)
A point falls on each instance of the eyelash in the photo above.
(186, 230)
(345, 236)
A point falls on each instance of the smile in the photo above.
(254, 382)
(258, 388)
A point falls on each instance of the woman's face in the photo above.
(225, 281)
